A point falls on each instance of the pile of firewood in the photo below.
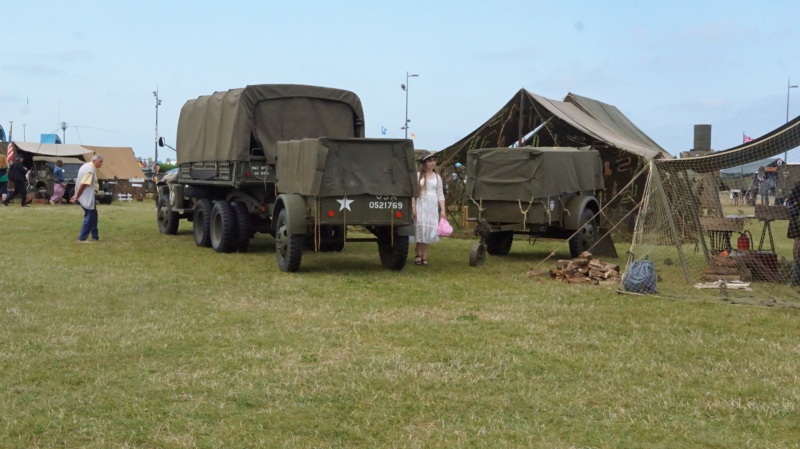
(583, 269)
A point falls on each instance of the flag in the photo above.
(383, 130)
(746, 138)
(10, 153)
(10, 150)
(413, 136)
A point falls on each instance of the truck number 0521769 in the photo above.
(385, 204)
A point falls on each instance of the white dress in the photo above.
(427, 226)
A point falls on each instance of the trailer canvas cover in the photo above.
(522, 174)
(219, 127)
(335, 167)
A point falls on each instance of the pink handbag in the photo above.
(444, 228)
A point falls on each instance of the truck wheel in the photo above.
(167, 219)
(331, 238)
(201, 225)
(499, 243)
(223, 227)
(587, 235)
(393, 257)
(243, 223)
(288, 247)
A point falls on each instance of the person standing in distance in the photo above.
(84, 194)
(16, 174)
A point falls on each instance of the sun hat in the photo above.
(426, 156)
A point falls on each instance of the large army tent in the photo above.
(577, 121)
(532, 120)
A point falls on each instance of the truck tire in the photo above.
(243, 231)
(393, 257)
(499, 243)
(167, 219)
(288, 247)
(201, 225)
(223, 227)
(331, 238)
(586, 236)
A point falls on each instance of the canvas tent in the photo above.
(741, 177)
(51, 149)
(120, 167)
(575, 122)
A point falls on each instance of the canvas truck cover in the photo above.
(219, 127)
(521, 174)
(334, 167)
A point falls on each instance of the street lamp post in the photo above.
(63, 132)
(405, 88)
(158, 103)
(789, 86)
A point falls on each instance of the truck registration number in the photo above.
(385, 202)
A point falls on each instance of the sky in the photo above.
(666, 65)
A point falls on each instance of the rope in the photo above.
(547, 210)
(480, 206)
(391, 221)
(525, 213)
(344, 222)
(317, 224)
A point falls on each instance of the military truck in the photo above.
(290, 161)
(538, 192)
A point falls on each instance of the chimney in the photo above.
(702, 142)
(702, 138)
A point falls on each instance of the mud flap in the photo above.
(604, 246)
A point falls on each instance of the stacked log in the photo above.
(583, 269)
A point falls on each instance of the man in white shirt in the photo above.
(84, 194)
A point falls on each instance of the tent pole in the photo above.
(519, 129)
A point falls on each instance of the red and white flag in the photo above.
(10, 152)
(746, 138)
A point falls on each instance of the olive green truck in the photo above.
(290, 161)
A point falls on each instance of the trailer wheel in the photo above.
(499, 243)
(201, 225)
(477, 255)
(288, 247)
(243, 231)
(223, 227)
(167, 219)
(586, 236)
(393, 257)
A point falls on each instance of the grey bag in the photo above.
(641, 277)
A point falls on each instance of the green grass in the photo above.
(144, 340)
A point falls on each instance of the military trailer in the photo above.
(537, 192)
(252, 160)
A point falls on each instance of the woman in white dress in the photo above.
(428, 208)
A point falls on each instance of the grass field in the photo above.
(145, 340)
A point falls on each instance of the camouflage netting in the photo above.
(703, 240)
